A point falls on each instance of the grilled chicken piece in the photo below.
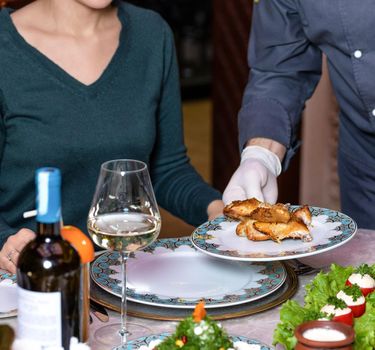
(262, 221)
(256, 210)
(241, 209)
(246, 229)
(303, 214)
(275, 213)
(279, 231)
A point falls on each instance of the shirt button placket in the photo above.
(358, 54)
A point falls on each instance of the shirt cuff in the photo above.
(267, 118)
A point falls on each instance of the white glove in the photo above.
(255, 177)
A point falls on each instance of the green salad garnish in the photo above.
(189, 335)
(324, 286)
(364, 269)
(336, 302)
(354, 291)
(197, 332)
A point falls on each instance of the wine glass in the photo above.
(123, 217)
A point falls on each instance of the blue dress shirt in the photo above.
(285, 55)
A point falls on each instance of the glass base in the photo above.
(110, 335)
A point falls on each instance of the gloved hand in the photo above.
(255, 177)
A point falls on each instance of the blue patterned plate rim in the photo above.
(270, 276)
(5, 275)
(145, 341)
(330, 229)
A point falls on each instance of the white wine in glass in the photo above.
(123, 217)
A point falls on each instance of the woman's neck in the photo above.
(73, 18)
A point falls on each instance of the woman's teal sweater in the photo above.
(48, 118)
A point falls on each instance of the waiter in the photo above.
(285, 54)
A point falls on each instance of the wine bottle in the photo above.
(48, 273)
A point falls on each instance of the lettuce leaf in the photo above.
(326, 285)
(323, 286)
(364, 326)
(292, 314)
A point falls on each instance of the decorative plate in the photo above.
(145, 342)
(8, 294)
(172, 273)
(285, 292)
(329, 229)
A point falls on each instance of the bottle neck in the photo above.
(44, 229)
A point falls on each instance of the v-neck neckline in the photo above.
(61, 74)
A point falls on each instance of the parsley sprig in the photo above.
(336, 302)
(364, 269)
(354, 291)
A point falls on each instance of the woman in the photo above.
(82, 82)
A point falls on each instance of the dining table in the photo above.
(360, 249)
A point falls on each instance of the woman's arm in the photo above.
(11, 241)
(178, 187)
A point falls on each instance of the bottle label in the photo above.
(39, 317)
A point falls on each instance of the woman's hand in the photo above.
(11, 249)
(215, 209)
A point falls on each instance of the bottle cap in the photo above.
(48, 184)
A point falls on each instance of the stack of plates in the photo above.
(172, 273)
(166, 281)
(234, 276)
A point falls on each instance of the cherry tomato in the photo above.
(358, 310)
(346, 318)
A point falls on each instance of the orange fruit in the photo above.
(81, 243)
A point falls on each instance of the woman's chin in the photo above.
(96, 4)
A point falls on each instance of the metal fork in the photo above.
(301, 269)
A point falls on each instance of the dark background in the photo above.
(191, 22)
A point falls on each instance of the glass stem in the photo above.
(123, 332)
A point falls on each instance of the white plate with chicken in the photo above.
(255, 231)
